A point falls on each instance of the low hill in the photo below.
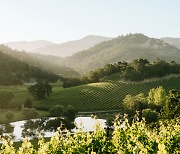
(15, 71)
(71, 47)
(48, 63)
(28, 46)
(172, 41)
(123, 48)
(104, 95)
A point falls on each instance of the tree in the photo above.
(5, 98)
(157, 97)
(28, 103)
(131, 104)
(70, 112)
(56, 110)
(30, 113)
(40, 90)
(172, 107)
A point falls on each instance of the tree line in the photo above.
(138, 70)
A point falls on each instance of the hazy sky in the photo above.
(63, 20)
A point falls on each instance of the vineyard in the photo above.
(102, 96)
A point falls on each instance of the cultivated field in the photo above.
(102, 96)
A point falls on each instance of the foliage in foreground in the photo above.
(126, 138)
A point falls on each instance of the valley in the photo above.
(123, 75)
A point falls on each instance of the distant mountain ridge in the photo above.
(123, 48)
(28, 45)
(71, 47)
(172, 41)
(61, 50)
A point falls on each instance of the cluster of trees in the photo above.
(14, 71)
(63, 116)
(137, 70)
(156, 105)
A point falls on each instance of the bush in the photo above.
(150, 115)
(30, 113)
(28, 103)
(56, 111)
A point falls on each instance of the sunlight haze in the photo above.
(63, 20)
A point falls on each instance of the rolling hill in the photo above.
(104, 95)
(172, 41)
(123, 48)
(15, 71)
(48, 63)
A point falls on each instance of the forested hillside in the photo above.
(48, 63)
(138, 70)
(14, 71)
(123, 48)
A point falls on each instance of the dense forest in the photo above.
(14, 71)
(138, 70)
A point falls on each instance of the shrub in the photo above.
(130, 139)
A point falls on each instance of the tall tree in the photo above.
(40, 90)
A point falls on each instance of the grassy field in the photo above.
(18, 114)
(21, 95)
(102, 96)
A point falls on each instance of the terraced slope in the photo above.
(102, 96)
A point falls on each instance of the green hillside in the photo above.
(102, 96)
(123, 48)
(15, 71)
(45, 62)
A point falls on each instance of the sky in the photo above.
(64, 20)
